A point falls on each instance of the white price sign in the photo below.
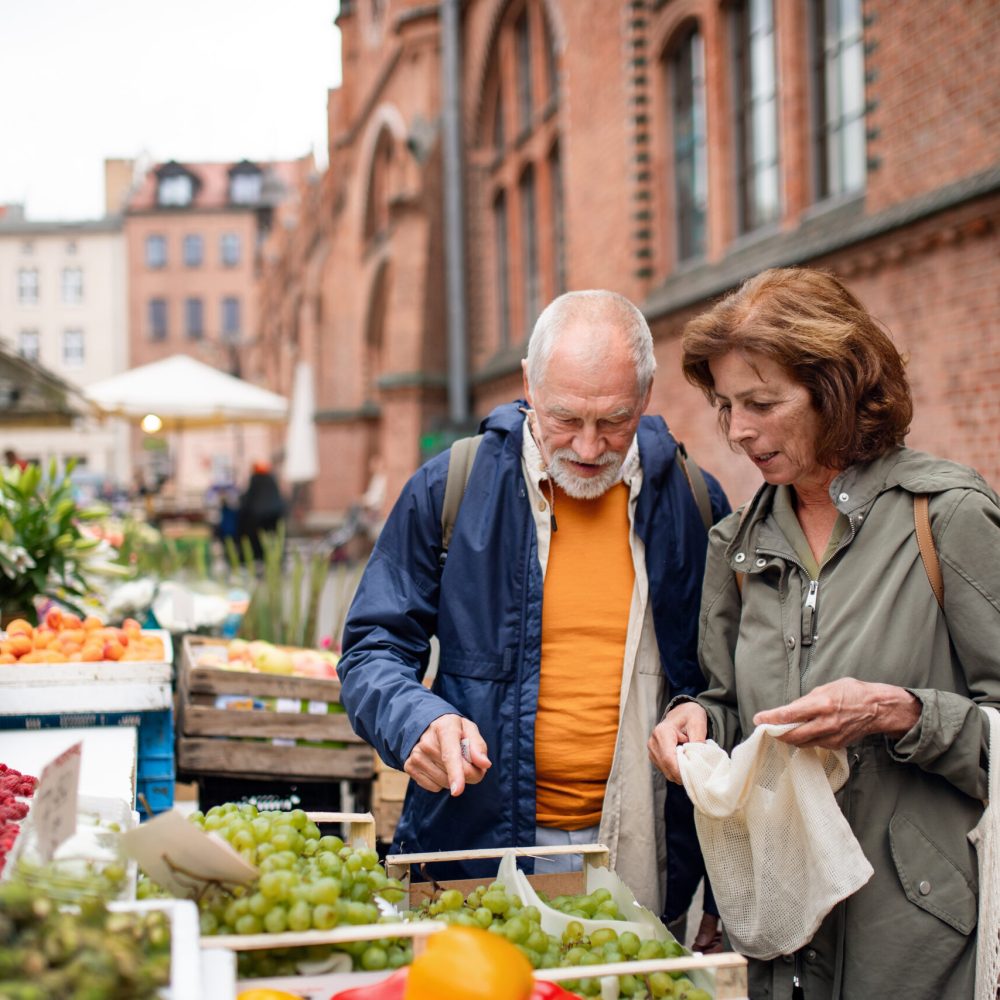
(53, 809)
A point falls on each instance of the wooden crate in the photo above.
(728, 971)
(223, 741)
(388, 792)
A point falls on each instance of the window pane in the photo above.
(28, 345)
(73, 348)
(852, 80)
(854, 154)
(764, 136)
(157, 319)
(230, 248)
(690, 156)
(529, 250)
(760, 15)
(231, 318)
(193, 318)
(27, 285)
(761, 65)
(244, 189)
(193, 250)
(175, 190)
(502, 268)
(558, 221)
(156, 251)
(72, 285)
(525, 100)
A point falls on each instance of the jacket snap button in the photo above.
(925, 888)
(541, 505)
(760, 562)
(843, 498)
(810, 955)
(740, 557)
(790, 642)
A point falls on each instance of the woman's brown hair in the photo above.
(810, 324)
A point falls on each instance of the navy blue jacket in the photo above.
(485, 606)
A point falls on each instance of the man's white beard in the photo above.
(589, 487)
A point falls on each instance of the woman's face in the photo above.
(771, 418)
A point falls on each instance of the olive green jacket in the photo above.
(911, 930)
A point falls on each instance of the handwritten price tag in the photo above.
(53, 810)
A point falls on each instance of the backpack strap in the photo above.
(696, 480)
(460, 461)
(925, 542)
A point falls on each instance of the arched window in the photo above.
(839, 89)
(518, 137)
(377, 204)
(756, 103)
(686, 83)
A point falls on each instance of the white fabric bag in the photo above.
(986, 837)
(777, 848)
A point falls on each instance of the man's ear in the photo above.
(524, 382)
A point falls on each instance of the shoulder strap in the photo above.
(463, 454)
(696, 480)
(925, 541)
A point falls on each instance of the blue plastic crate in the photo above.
(153, 796)
(156, 733)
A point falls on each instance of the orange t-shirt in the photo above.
(585, 609)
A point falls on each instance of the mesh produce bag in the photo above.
(986, 837)
(777, 848)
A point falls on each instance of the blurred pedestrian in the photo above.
(11, 458)
(261, 507)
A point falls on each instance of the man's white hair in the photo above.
(598, 307)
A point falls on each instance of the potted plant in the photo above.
(43, 551)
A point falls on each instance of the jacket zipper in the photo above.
(809, 614)
(516, 777)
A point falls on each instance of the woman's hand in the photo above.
(687, 723)
(843, 712)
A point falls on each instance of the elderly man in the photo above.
(566, 611)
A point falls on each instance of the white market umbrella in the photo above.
(301, 451)
(186, 393)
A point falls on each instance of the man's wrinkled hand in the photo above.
(449, 754)
(687, 723)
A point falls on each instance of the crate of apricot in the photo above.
(65, 664)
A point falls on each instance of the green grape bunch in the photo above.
(307, 881)
(495, 909)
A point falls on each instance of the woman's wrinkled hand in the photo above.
(687, 723)
(450, 754)
(843, 712)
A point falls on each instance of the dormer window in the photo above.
(245, 183)
(175, 190)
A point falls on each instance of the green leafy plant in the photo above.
(43, 551)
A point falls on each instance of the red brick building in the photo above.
(662, 148)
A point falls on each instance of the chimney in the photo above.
(118, 176)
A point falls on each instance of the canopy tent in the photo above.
(186, 393)
(301, 452)
(32, 396)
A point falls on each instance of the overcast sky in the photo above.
(82, 80)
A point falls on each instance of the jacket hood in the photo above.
(504, 419)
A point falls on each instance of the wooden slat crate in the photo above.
(235, 742)
(388, 792)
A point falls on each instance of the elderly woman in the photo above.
(817, 609)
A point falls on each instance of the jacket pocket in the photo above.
(930, 879)
(484, 668)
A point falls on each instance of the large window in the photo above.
(29, 345)
(157, 319)
(194, 320)
(756, 113)
(229, 249)
(687, 88)
(27, 285)
(231, 318)
(529, 249)
(839, 86)
(193, 250)
(73, 351)
(519, 140)
(501, 244)
(175, 190)
(72, 285)
(245, 184)
(156, 251)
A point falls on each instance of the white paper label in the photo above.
(53, 809)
